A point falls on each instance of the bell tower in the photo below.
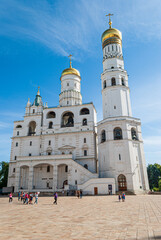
(115, 90)
(120, 144)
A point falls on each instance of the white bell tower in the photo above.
(120, 144)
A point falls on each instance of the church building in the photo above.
(64, 148)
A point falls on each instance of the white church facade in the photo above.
(65, 148)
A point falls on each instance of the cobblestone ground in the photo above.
(99, 217)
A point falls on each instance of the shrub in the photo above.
(159, 183)
(156, 189)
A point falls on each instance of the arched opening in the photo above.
(122, 82)
(122, 185)
(18, 126)
(112, 67)
(84, 111)
(86, 166)
(103, 136)
(32, 128)
(51, 115)
(117, 133)
(43, 176)
(24, 177)
(67, 120)
(50, 125)
(104, 84)
(62, 176)
(113, 81)
(133, 134)
(84, 122)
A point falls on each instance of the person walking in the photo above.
(26, 198)
(36, 197)
(55, 198)
(10, 198)
(19, 195)
(123, 197)
(119, 197)
(81, 193)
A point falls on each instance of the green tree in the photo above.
(4, 166)
(159, 183)
(153, 175)
(158, 166)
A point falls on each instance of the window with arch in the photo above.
(122, 81)
(51, 115)
(113, 81)
(32, 128)
(15, 157)
(112, 67)
(18, 126)
(66, 168)
(86, 166)
(112, 48)
(117, 133)
(50, 125)
(133, 134)
(18, 133)
(104, 84)
(33, 111)
(84, 111)
(67, 120)
(84, 122)
(103, 136)
(85, 152)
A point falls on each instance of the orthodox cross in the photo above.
(70, 57)
(110, 22)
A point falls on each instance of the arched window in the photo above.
(104, 84)
(51, 115)
(103, 136)
(122, 81)
(112, 48)
(67, 120)
(50, 125)
(85, 152)
(32, 128)
(117, 133)
(113, 81)
(133, 134)
(86, 166)
(84, 122)
(66, 168)
(84, 111)
(122, 186)
(18, 126)
(112, 67)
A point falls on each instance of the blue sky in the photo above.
(37, 36)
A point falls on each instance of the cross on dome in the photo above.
(70, 57)
(110, 22)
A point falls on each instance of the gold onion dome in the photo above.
(70, 70)
(111, 35)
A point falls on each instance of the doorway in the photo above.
(95, 191)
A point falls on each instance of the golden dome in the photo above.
(111, 35)
(70, 70)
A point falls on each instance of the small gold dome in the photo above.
(70, 70)
(111, 35)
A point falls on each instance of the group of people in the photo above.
(121, 196)
(25, 197)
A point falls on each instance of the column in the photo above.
(55, 177)
(69, 175)
(30, 182)
(17, 179)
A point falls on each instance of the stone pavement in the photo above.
(97, 217)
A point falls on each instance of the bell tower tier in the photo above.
(70, 87)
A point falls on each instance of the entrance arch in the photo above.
(122, 185)
(43, 176)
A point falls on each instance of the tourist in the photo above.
(123, 197)
(10, 197)
(30, 198)
(55, 198)
(36, 197)
(19, 195)
(23, 197)
(81, 193)
(78, 193)
(26, 198)
(119, 197)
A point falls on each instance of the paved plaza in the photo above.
(94, 217)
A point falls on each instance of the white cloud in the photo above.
(153, 141)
